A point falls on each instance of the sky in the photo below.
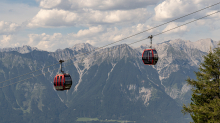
(58, 24)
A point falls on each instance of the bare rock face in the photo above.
(83, 46)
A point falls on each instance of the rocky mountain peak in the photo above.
(82, 46)
(112, 54)
(23, 49)
(205, 44)
(119, 51)
(179, 44)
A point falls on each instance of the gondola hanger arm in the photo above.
(61, 61)
(151, 37)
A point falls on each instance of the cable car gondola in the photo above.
(62, 81)
(150, 56)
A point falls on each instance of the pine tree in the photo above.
(205, 105)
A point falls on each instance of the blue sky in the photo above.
(58, 24)
(27, 2)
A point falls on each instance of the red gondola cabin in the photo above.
(150, 57)
(62, 81)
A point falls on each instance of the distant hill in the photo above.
(24, 49)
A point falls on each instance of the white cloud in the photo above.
(49, 3)
(170, 9)
(143, 27)
(179, 30)
(89, 32)
(213, 15)
(8, 28)
(36, 38)
(5, 39)
(97, 36)
(200, 22)
(97, 4)
(53, 18)
(57, 18)
(46, 42)
(10, 41)
(213, 21)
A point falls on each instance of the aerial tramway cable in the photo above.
(122, 46)
(116, 41)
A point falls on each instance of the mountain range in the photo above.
(109, 85)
